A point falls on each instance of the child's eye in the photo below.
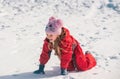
(49, 35)
(46, 34)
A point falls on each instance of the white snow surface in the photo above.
(94, 23)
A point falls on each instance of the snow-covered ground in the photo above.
(94, 23)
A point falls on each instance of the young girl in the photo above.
(66, 47)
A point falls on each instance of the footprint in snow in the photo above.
(95, 73)
(113, 57)
(2, 27)
(104, 28)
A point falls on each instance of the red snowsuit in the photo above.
(71, 57)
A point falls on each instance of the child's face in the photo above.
(51, 37)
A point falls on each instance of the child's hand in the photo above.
(40, 70)
(64, 71)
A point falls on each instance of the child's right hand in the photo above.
(40, 70)
(64, 71)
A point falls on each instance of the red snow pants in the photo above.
(81, 61)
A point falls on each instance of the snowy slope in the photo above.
(94, 23)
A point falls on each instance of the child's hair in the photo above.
(57, 42)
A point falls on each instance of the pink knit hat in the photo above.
(54, 26)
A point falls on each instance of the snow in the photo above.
(94, 23)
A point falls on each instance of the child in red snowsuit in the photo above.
(66, 48)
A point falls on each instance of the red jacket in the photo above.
(71, 55)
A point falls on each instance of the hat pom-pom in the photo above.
(52, 19)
